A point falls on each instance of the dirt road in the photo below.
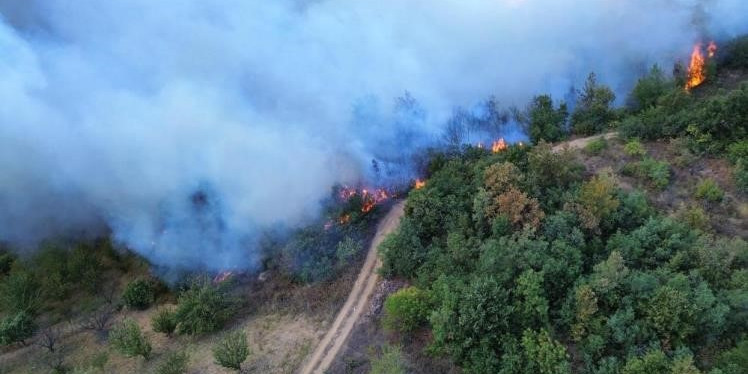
(357, 300)
(582, 142)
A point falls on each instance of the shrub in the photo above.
(128, 339)
(694, 217)
(634, 148)
(737, 151)
(391, 361)
(20, 292)
(139, 294)
(84, 268)
(346, 250)
(596, 146)
(708, 190)
(204, 307)
(16, 328)
(406, 309)
(232, 350)
(6, 262)
(740, 174)
(656, 173)
(164, 321)
(175, 363)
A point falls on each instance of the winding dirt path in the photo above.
(357, 300)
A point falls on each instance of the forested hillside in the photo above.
(628, 256)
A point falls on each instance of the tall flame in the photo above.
(697, 69)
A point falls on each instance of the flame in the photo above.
(420, 184)
(345, 218)
(696, 69)
(498, 145)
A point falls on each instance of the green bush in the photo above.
(20, 292)
(740, 173)
(6, 262)
(634, 148)
(164, 321)
(737, 151)
(84, 267)
(656, 173)
(709, 190)
(128, 339)
(139, 294)
(232, 350)
(596, 146)
(406, 309)
(546, 122)
(391, 361)
(16, 328)
(175, 363)
(203, 307)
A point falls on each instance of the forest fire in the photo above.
(369, 198)
(419, 184)
(498, 145)
(697, 67)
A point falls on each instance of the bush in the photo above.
(16, 328)
(128, 339)
(232, 350)
(596, 146)
(6, 262)
(634, 148)
(175, 363)
(708, 190)
(656, 173)
(204, 307)
(737, 151)
(406, 309)
(391, 361)
(20, 292)
(694, 217)
(84, 268)
(139, 294)
(164, 321)
(740, 174)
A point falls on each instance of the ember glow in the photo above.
(369, 198)
(498, 145)
(420, 184)
(697, 67)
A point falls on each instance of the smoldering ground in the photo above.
(186, 127)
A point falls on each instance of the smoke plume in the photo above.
(187, 126)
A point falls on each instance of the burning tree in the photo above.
(697, 68)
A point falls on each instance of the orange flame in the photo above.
(498, 145)
(696, 69)
(420, 184)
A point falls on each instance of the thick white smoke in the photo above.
(185, 126)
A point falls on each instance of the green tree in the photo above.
(543, 354)
(128, 339)
(139, 294)
(406, 309)
(20, 292)
(653, 362)
(593, 112)
(671, 314)
(533, 305)
(232, 350)
(649, 89)
(546, 122)
(203, 307)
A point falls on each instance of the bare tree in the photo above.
(49, 338)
